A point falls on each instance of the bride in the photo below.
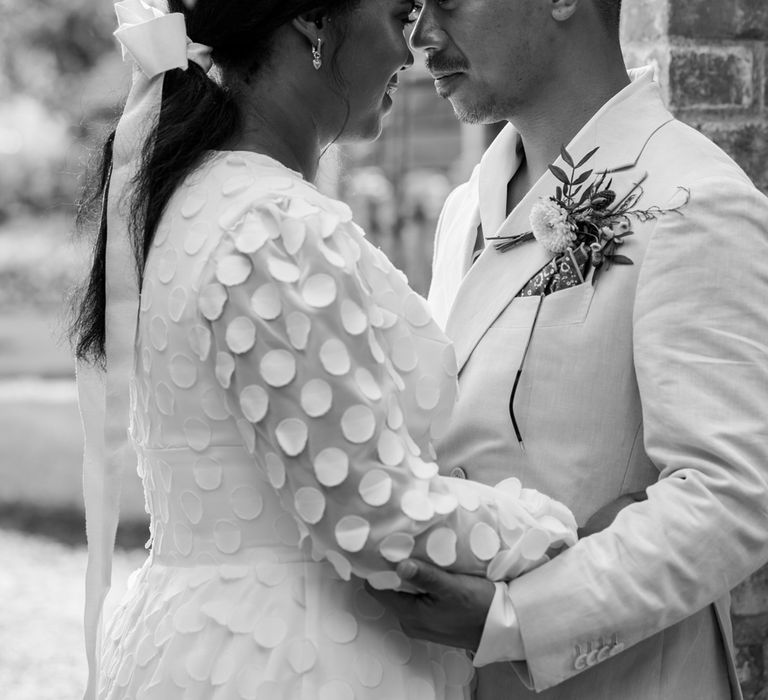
(278, 381)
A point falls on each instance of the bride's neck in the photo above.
(281, 127)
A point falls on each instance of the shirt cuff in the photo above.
(501, 640)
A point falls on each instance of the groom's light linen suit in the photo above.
(656, 376)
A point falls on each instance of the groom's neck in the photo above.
(556, 114)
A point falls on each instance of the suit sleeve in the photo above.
(701, 359)
(301, 356)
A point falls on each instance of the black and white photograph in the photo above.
(384, 349)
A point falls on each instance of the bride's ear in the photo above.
(563, 10)
(310, 24)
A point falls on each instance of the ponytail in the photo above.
(197, 115)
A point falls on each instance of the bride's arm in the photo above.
(318, 407)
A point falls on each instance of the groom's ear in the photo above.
(563, 10)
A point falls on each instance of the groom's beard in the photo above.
(479, 112)
(483, 109)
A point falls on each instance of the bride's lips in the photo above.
(389, 92)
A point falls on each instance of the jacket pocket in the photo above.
(563, 308)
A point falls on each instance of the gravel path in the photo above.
(41, 603)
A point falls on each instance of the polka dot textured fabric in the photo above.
(288, 384)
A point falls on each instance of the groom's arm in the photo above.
(475, 614)
(701, 358)
(501, 639)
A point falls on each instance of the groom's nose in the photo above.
(427, 32)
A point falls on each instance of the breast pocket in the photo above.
(563, 308)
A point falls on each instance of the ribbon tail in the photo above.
(105, 396)
(91, 389)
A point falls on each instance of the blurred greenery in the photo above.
(49, 47)
(60, 78)
(39, 261)
(46, 473)
(32, 345)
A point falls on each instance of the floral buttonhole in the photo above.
(585, 218)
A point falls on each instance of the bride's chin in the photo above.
(368, 129)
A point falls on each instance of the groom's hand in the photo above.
(451, 610)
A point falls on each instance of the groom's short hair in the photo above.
(610, 12)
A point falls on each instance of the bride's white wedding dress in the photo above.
(286, 389)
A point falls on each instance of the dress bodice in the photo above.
(199, 454)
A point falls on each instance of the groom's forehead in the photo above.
(519, 17)
(500, 12)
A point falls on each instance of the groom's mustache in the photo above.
(444, 65)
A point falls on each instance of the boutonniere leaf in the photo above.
(559, 173)
(586, 158)
(621, 260)
(566, 157)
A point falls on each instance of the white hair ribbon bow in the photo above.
(157, 41)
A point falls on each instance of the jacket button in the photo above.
(603, 654)
(581, 662)
(617, 648)
(458, 473)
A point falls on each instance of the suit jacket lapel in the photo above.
(496, 278)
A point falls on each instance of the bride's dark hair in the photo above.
(197, 115)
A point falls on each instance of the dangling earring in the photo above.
(317, 54)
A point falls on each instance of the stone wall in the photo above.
(711, 58)
(712, 61)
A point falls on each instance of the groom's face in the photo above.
(488, 57)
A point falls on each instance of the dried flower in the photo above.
(551, 226)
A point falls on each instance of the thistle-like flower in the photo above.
(551, 226)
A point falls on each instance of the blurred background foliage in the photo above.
(58, 62)
(60, 82)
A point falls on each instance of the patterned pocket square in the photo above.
(567, 270)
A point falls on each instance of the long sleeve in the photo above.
(701, 359)
(302, 352)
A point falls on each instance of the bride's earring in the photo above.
(563, 10)
(317, 54)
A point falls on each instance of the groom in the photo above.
(649, 377)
